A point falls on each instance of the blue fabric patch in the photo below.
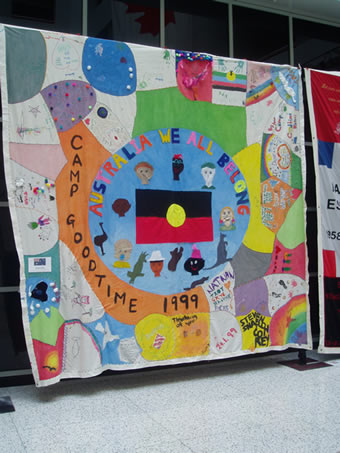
(326, 150)
(109, 66)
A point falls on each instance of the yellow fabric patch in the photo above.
(258, 237)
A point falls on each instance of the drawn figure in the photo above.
(166, 55)
(100, 239)
(41, 222)
(99, 49)
(80, 300)
(121, 206)
(289, 90)
(208, 171)
(156, 262)
(177, 166)
(144, 171)
(108, 336)
(227, 219)
(176, 255)
(197, 283)
(50, 368)
(195, 263)
(123, 249)
(221, 252)
(45, 233)
(19, 191)
(137, 268)
(282, 283)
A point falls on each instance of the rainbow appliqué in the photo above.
(267, 139)
(229, 81)
(261, 92)
(289, 323)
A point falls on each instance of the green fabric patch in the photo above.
(295, 172)
(292, 233)
(25, 63)
(168, 108)
(54, 254)
(45, 329)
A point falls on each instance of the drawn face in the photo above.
(144, 174)
(227, 216)
(121, 206)
(194, 265)
(123, 249)
(208, 175)
(156, 267)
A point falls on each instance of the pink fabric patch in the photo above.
(194, 79)
(46, 160)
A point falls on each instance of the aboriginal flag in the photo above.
(165, 216)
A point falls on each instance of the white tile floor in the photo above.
(248, 405)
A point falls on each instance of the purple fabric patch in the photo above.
(253, 295)
(69, 102)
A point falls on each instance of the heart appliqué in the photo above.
(87, 121)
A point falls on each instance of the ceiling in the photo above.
(320, 10)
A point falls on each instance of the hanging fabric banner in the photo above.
(157, 199)
(323, 94)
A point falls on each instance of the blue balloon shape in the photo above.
(109, 66)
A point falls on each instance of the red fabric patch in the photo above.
(49, 358)
(329, 263)
(326, 102)
(289, 261)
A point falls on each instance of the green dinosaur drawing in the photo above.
(137, 268)
(166, 55)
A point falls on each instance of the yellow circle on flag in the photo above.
(175, 215)
(231, 75)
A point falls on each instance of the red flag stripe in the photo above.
(157, 230)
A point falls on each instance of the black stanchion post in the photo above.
(302, 357)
